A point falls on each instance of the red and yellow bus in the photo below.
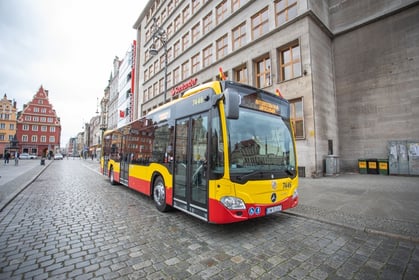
(224, 153)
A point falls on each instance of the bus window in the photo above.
(162, 144)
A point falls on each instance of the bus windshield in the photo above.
(260, 147)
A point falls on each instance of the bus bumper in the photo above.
(221, 215)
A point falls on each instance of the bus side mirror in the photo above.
(231, 104)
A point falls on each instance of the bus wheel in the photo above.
(159, 194)
(111, 178)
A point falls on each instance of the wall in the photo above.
(377, 85)
(324, 99)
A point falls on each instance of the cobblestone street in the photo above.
(72, 224)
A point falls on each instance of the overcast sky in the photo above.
(68, 47)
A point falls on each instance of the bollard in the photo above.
(42, 161)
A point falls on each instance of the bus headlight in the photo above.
(295, 194)
(233, 203)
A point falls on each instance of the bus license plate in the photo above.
(273, 209)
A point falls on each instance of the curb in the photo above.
(366, 230)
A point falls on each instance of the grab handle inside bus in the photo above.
(231, 103)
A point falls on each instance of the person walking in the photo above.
(7, 158)
(16, 159)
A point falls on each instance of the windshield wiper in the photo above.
(243, 177)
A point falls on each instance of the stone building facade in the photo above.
(348, 68)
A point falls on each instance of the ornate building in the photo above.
(38, 127)
(7, 125)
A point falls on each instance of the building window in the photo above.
(34, 139)
(169, 30)
(50, 120)
(161, 85)
(195, 5)
(25, 127)
(285, 10)
(185, 41)
(290, 62)
(156, 66)
(222, 47)
(28, 118)
(34, 127)
(297, 117)
(260, 24)
(169, 55)
(52, 129)
(169, 79)
(207, 56)
(43, 139)
(155, 89)
(24, 138)
(263, 72)
(52, 139)
(195, 63)
(170, 7)
(162, 62)
(176, 49)
(239, 36)
(145, 74)
(196, 32)
(150, 92)
(185, 70)
(186, 14)
(221, 11)
(176, 75)
(151, 70)
(43, 110)
(207, 22)
(240, 74)
(235, 5)
(44, 128)
(163, 15)
(36, 109)
(36, 119)
(178, 21)
(12, 126)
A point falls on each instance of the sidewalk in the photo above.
(387, 205)
(15, 179)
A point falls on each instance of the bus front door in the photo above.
(190, 176)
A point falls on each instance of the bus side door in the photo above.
(190, 174)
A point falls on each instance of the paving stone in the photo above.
(81, 227)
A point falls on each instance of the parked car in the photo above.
(58, 156)
(27, 156)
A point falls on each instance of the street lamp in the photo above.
(159, 33)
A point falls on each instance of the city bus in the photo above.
(224, 152)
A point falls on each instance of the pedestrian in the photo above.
(7, 158)
(16, 159)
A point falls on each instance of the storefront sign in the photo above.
(191, 83)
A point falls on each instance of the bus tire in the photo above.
(111, 177)
(159, 194)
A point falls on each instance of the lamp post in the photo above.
(159, 33)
